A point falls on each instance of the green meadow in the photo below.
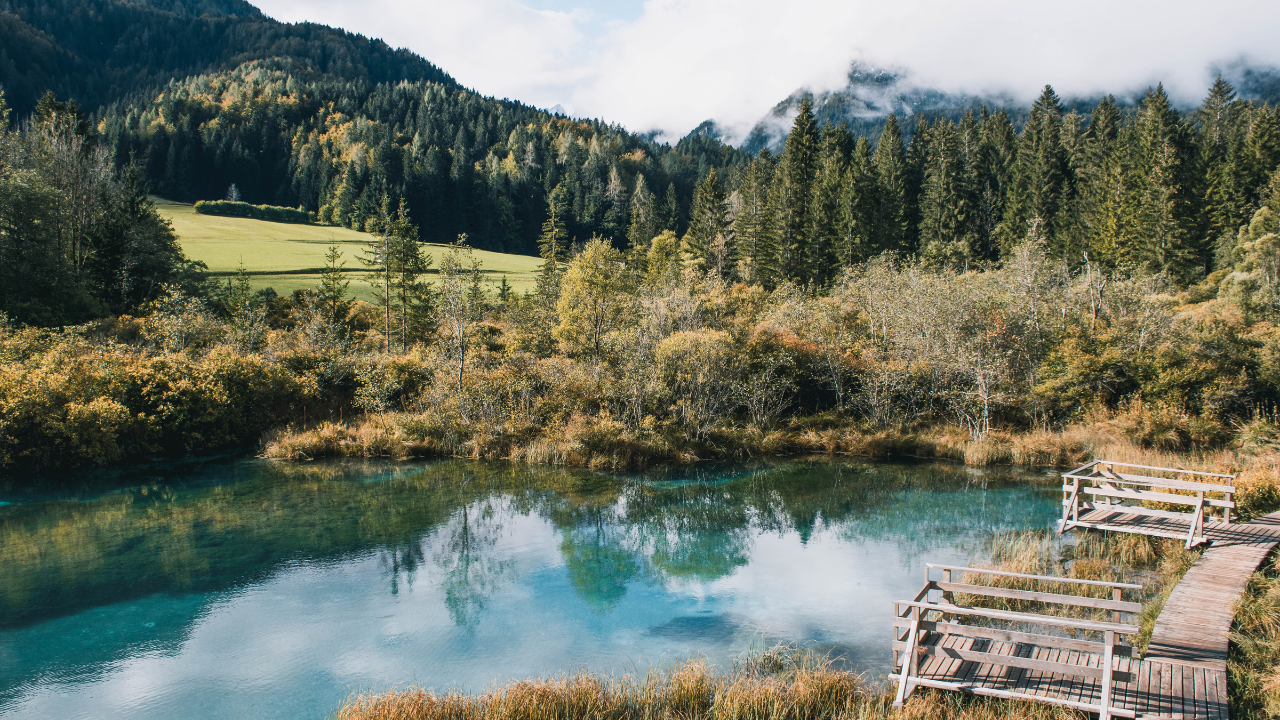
(288, 257)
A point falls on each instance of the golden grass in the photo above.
(1253, 665)
(785, 685)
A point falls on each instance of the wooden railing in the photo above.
(929, 625)
(1118, 486)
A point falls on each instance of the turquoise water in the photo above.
(238, 588)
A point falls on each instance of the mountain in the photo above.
(201, 94)
(96, 51)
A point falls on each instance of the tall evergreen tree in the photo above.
(945, 202)
(793, 193)
(708, 243)
(753, 229)
(1162, 234)
(858, 213)
(890, 165)
(1041, 183)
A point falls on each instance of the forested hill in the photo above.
(464, 163)
(95, 51)
(206, 93)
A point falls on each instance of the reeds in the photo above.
(781, 684)
(1253, 665)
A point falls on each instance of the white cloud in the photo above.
(680, 62)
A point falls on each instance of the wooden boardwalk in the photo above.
(1184, 673)
(1194, 625)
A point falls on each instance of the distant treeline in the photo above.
(271, 213)
(1146, 190)
(462, 162)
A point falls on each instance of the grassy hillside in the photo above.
(287, 257)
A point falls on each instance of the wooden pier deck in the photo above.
(1184, 673)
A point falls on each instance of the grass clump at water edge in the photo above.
(783, 683)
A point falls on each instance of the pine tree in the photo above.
(945, 204)
(1218, 120)
(554, 247)
(998, 142)
(917, 161)
(669, 210)
(644, 223)
(857, 213)
(331, 295)
(1161, 236)
(1041, 182)
(890, 162)
(708, 243)
(753, 223)
(794, 193)
(823, 225)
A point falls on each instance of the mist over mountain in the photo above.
(872, 93)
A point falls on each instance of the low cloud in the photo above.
(680, 62)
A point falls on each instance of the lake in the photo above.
(240, 587)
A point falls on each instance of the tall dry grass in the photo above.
(1253, 664)
(776, 686)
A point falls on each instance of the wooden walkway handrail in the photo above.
(1014, 616)
(1050, 578)
(1153, 467)
(935, 635)
(1125, 478)
(1103, 483)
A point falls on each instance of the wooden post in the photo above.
(908, 659)
(1197, 520)
(1070, 504)
(1108, 657)
(1226, 511)
(1115, 614)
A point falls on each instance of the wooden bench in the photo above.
(934, 646)
(1123, 487)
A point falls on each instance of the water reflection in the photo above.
(308, 580)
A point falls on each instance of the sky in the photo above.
(668, 65)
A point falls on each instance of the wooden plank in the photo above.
(1011, 660)
(1165, 469)
(1076, 600)
(1145, 496)
(1013, 636)
(1008, 695)
(1137, 530)
(1154, 482)
(1075, 623)
(1053, 578)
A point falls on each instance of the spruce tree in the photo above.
(823, 227)
(945, 203)
(708, 243)
(1162, 234)
(753, 224)
(998, 142)
(794, 193)
(1041, 181)
(858, 213)
(331, 295)
(890, 163)
(1218, 123)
